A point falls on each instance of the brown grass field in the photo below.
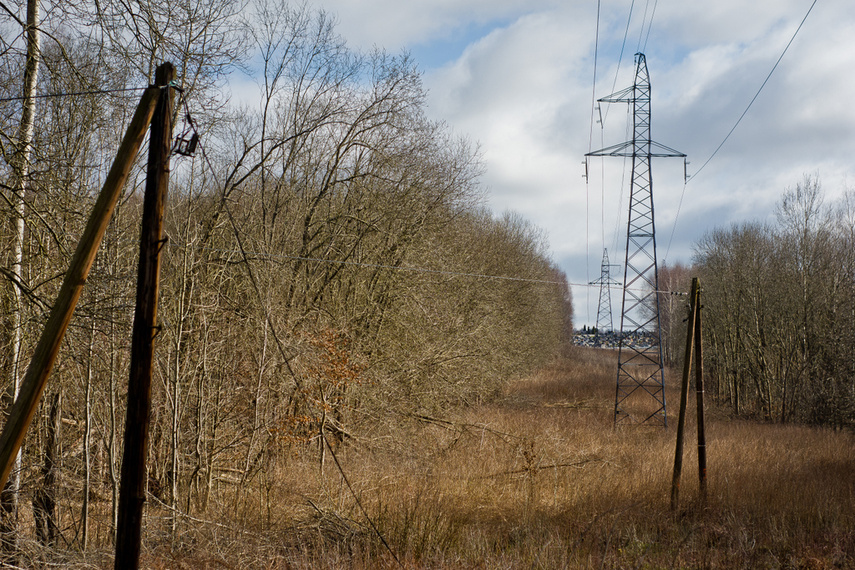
(541, 479)
(538, 479)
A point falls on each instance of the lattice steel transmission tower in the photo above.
(604, 308)
(640, 394)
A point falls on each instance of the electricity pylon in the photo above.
(640, 364)
(604, 309)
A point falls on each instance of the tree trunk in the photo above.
(45, 498)
(112, 433)
(87, 444)
(21, 173)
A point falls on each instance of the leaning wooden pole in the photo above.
(699, 388)
(35, 380)
(684, 396)
(133, 483)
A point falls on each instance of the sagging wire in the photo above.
(191, 144)
(73, 94)
(649, 26)
(753, 99)
(686, 177)
(195, 142)
(622, 48)
(594, 107)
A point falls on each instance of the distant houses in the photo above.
(589, 336)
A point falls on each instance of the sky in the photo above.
(519, 78)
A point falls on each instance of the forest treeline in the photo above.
(778, 308)
(329, 266)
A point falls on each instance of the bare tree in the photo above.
(20, 165)
(777, 296)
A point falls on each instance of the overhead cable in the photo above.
(620, 57)
(74, 94)
(742, 116)
(590, 145)
(649, 26)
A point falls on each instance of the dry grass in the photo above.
(540, 480)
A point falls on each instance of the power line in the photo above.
(620, 210)
(591, 145)
(674, 227)
(620, 57)
(649, 25)
(742, 116)
(641, 31)
(246, 254)
(273, 256)
(687, 179)
(594, 82)
(269, 256)
(74, 94)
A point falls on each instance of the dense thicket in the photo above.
(328, 269)
(779, 301)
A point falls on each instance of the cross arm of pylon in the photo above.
(629, 149)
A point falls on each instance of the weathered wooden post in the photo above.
(699, 389)
(35, 380)
(133, 483)
(684, 395)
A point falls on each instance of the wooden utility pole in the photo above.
(33, 384)
(684, 394)
(699, 389)
(133, 486)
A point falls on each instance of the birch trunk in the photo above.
(21, 174)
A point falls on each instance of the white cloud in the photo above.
(522, 88)
(393, 24)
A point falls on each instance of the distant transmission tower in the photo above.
(604, 309)
(640, 374)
